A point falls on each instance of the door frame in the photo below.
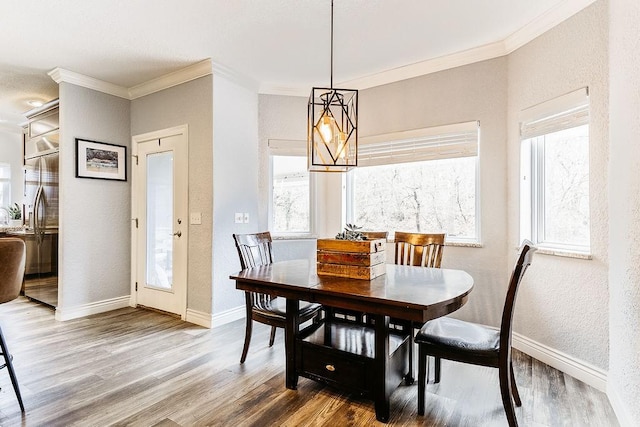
(135, 140)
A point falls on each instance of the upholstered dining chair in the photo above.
(460, 341)
(255, 250)
(12, 265)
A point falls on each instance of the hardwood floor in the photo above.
(141, 368)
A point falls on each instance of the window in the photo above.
(5, 184)
(555, 173)
(418, 181)
(291, 207)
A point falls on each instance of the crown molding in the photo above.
(544, 23)
(184, 75)
(466, 57)
(60, 75)
(235, 77)
(529, 32)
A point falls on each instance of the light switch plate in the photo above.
(195, 218)
(239, 217)
(246, 218)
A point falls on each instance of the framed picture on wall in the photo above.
(100, 160)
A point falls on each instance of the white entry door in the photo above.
(160, 220)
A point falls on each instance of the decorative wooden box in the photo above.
(361, 259)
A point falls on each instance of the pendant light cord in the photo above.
(331, 44)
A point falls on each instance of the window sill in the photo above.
(564, 253)
(464, 244)
(295, 237)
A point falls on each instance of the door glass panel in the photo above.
(159, 271)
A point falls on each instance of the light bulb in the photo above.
(342, 140)
(326, 128)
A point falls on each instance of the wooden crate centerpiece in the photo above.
(357, 259)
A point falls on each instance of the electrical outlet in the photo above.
(246, 218)
(239, 217)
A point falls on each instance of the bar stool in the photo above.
(12, 264)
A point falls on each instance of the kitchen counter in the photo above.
(4, 229)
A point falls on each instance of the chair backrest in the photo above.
(525, 254)
(12, 263)
(254, 249)
(419, 249)
(375, 234)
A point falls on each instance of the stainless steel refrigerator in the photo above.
(41, 200)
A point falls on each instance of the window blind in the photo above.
(565, 112)
(287, 147)
(456, 140)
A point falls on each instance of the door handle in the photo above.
(178, 233)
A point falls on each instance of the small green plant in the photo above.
(14, 211)
(351, 233)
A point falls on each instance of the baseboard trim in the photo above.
(619, 408)
(578, 369)
(229, 316)
(69, 313)
(199, 318)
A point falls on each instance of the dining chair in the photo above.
(419, 249)
(460, 341)
(416, 249)
(12, 265)
(255, 250)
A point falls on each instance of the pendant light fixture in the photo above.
(332, 126)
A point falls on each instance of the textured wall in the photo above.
(94, 254)
(235, 182)
(11, 152)
(473, 92)
(189, 103)
(564, 302)
(624, 201)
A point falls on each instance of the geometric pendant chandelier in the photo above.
(332, 126)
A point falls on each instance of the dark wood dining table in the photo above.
(368, 358)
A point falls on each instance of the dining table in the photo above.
(368, 357)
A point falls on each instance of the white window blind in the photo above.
(450, 141)
(287, 147)
(544, 118)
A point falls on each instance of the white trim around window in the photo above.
(291, 148)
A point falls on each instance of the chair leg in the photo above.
(506, 391)
(422, 379)
(272, 337)
(12, 372)
(247, 334)
(514, 386)
(436, 370)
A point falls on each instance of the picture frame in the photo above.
(100, 160)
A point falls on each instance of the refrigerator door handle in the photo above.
(36, 220)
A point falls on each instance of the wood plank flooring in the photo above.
(133, 367)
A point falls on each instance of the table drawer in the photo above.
(334, 367)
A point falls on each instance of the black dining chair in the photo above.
(256, 250)
(460, 341)
(12, 265)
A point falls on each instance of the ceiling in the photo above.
(278, 45)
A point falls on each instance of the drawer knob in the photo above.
(330, 368)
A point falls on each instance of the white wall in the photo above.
(624, 201)
(94, 254)
(11, 152)
(189, 103)
(563, 302)
(235, 183)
